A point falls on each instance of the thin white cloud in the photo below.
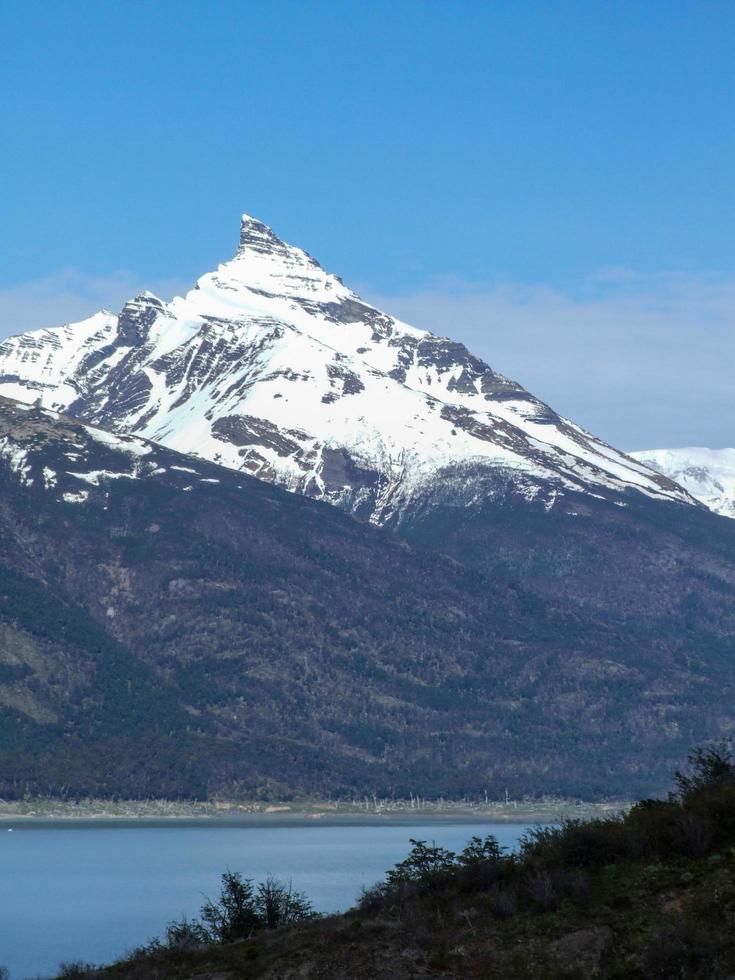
(641, 361)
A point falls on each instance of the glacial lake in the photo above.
(92, 890)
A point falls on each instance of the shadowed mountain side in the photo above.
(278, 646)
(79, 712)
(630, 560)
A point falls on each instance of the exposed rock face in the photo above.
(274, 339)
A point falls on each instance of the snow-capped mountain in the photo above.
(707, 474)
(272, 365)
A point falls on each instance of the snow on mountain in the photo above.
(71, 460)
(707, 474)
(272, 365)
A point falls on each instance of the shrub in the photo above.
(712, 767)
(677, 951)
(542, 889)
(480, 850)
(240, 911)
(697, 833)
(76, 970)
(653, 828)
(577, 844)
(374, 899)
(708, 790)
(426, 865)
(548, 888)
(504, 903)
(481, 865)
(187, 934)
(233, 916)
(277, 904)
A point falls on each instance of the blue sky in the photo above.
(530, 177)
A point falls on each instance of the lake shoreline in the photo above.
(92, 813)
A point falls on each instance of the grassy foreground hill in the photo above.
(645, 895)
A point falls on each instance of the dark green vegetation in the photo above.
(173, 636)
(241, 911)
(631, 560)
(647, 895)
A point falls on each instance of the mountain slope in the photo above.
(262, 643)
(707, 474)
(79, 712)
(272, 365)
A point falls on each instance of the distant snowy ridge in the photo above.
(707, 474)
(272, 365)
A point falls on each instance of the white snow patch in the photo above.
(75, 498)
(125, 444)
(95, 476)
(17, 457)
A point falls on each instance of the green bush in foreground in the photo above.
(239, 912)
(551, 866)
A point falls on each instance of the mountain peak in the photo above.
(272, 365)
(257, 239)
(255, 235)
(142, 299)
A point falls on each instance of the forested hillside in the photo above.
(258, 643)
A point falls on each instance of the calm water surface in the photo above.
(93, 892)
